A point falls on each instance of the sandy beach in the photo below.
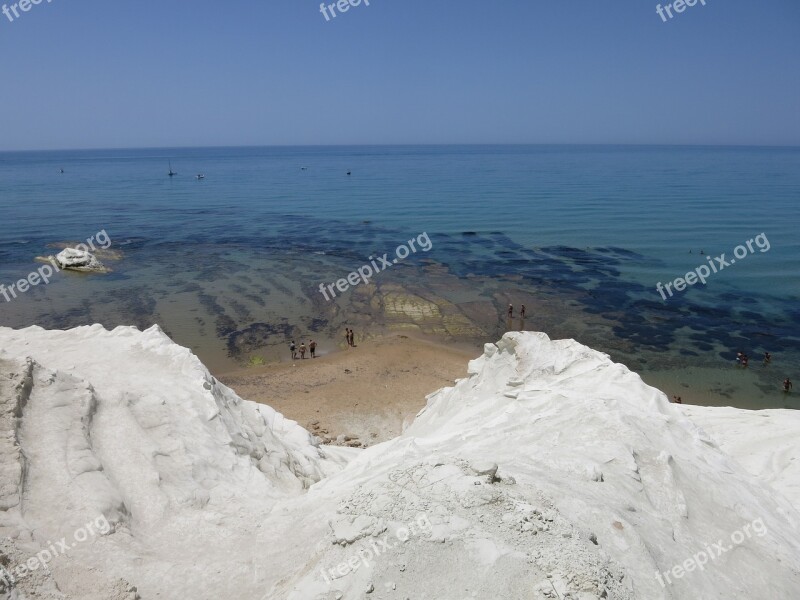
(365, 393)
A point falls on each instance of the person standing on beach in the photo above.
(510, 311)
(347, 336)
(293, 349)
(302, 350)
(787, 385)
(352, 339)
(522, 312)
(312, 347)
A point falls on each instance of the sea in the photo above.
(231, 264)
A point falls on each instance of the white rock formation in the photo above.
(765, 442)
(79, 260)
(550, 472)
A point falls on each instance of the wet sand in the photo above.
(755, 388)
(365, 393)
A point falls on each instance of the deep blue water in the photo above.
(598, 225)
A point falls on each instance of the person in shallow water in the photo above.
(767, 358)
(522, 312)
(787, 385)
(510, 311)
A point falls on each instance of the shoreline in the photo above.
(367, 394)
(361, 395)
(330, 349)
(243, 307)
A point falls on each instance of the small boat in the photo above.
(171, 172)
(200, 176)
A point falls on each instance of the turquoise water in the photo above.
(231, 262)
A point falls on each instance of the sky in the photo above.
(114, 74)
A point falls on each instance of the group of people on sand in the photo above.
(742, 360)
(312, 348)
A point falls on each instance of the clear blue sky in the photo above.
(139, 73)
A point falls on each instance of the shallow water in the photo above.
(231, 265)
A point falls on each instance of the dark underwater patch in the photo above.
(257, 335)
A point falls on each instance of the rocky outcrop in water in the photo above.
(79, 260)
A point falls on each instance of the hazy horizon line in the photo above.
(408, 145)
